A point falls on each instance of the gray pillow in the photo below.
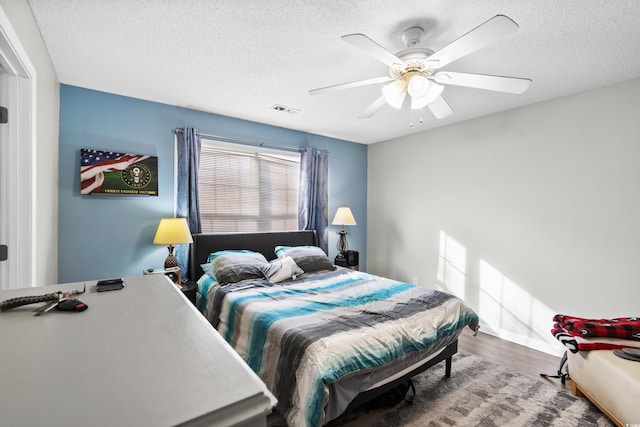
(308, 258)
(235, 266)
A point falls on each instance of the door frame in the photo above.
(17, 174)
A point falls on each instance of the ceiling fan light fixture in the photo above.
(431, 94)
(418, 103)
(435, 90)
(418, 86)
(394, 93)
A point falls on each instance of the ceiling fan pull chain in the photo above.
(411, 116)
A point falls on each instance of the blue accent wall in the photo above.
(111, 236)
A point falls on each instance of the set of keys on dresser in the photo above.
(64, 301)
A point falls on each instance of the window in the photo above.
(246, 188)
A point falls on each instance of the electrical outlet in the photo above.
(415, 280)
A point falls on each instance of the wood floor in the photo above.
(512, 356)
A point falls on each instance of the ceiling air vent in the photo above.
(284, 109)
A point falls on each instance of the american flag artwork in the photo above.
(110, 172)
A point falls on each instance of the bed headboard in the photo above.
(265, 243)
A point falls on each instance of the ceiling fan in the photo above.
(414, 70)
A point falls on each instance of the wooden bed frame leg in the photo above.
(447, 367)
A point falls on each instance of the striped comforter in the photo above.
(301, 335)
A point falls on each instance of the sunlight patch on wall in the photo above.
(452, 261)
(511, 310)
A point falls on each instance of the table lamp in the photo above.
(343, 217)
(172, 231)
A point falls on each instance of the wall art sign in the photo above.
(108, 172)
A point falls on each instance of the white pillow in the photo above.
(282, 269)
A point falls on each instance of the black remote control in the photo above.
(110, 285)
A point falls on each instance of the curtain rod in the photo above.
(245, 141)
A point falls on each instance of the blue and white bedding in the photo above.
(301, 335)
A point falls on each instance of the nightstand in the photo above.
(348, 259)
(175, 274)
(189, 289)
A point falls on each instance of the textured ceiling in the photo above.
(239, 58)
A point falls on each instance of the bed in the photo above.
(324, 339)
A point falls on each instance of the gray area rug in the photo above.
(479, 393)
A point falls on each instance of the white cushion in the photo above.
(613, 382)
(282, 269)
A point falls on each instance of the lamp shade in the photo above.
(423, 92)
(343, 217)
(418, 86)
(394, 93)
(173, 231)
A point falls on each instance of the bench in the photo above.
(609, 382)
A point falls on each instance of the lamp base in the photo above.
(171, 260)
(342, 241)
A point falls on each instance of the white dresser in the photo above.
(140, 356)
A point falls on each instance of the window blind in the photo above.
(247, 191)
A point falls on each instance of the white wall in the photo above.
(45, 157)
(524, 214)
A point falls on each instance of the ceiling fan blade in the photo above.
(350, 85)
(373, 108)
(515, 85)
(440, 108)
(362, 42)
(485, 34)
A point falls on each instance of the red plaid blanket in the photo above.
(578, 333)
(621, 327)
(578, 343)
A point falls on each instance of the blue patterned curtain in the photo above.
(313, 201)
(188, 147)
